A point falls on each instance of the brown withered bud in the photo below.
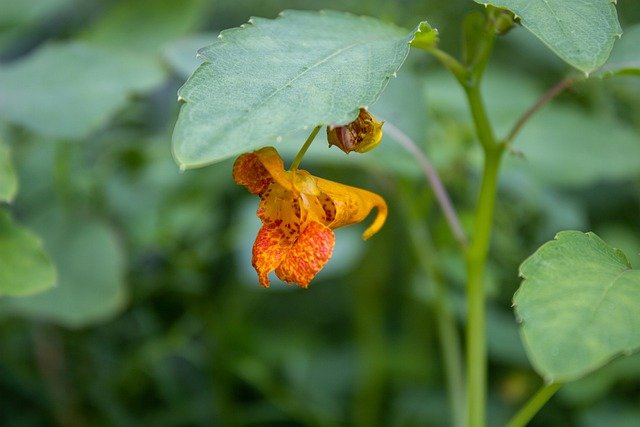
(361, 135)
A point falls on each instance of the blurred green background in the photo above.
(157, 318)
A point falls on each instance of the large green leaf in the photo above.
(25, 268)
(269, 78)
(578, 31)
(8, 180)
(578, 304)
(396, 108)
(90, 264)
(625, 57)
(67, 90)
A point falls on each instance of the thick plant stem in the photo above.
(305, 147)
(531, 408)
(480, 118)
(469, 76)
(476, 258)
(476, 314)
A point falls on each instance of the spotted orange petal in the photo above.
(347, 205)
(249, 171)
(273, 163)
(271, 246)
(308, 255)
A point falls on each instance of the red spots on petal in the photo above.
(298, 213)
(328, 207)
(307, 255)
(269, 249)
(250, 172)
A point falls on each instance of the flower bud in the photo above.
(361, 135)
(503, 21)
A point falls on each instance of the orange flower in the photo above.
(298, 213)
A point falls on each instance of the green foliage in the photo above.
(142, 26)
(570, 148)
(156, 317)
(89, 85)
(273, 77)
(582, 33)
(8, 180)
(21, 18)
(24, 266)
(425, 37)
(577, 305)
(625, 56)
(90, 273)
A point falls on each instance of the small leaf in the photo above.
(578, 304)
(67, 90)
(625, 56)
(269, 78)
(8, 180)
(90, 285)
(425, 37)
(580, 32)
(25, 268)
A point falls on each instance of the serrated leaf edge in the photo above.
(549, 379)
(252, 20)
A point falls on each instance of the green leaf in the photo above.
(269, 78)
(90, 264)
(625, 57)
(25, 268)
(145, 25)
(8, 180)
(402, 105)
(68, 90)
(578, 304)
(580, 32)
(425, 37)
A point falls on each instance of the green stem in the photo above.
(476, 254)
(476, 258)
(531, 408)
(452, 64)
(305, 147)
(479, 114)
(476, 314)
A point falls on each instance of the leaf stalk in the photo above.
(533, 405)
